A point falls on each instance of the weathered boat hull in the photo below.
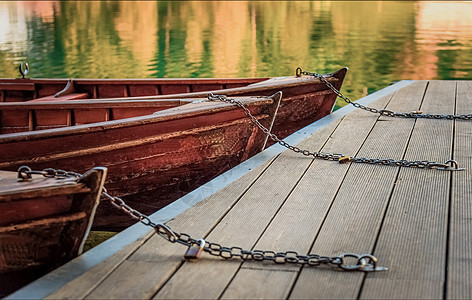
(150, 167)
(161, 155)
(44, 222)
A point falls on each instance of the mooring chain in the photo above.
(25, 173)
(384, 112)
(346, 261)
(449, 165)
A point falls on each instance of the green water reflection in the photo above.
(381, 42)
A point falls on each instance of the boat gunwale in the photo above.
(85, 81)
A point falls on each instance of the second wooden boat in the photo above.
(43, 221)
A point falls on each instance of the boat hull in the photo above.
(153, 159)
(153, 163)
(44, 222)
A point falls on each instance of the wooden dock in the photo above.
(417, 222)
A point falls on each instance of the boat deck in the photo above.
(416, 221)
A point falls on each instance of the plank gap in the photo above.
(449, 205)
(391, 194)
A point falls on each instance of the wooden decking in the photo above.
(417, 222)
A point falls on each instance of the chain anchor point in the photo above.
(454, 166)
(365, 263)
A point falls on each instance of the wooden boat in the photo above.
(44, 222)
(155, 151)
(155, 159)
(305, 98)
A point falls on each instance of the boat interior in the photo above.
(13, 90)
(16, 117)
(27, 116)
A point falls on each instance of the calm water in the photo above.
(381, 42)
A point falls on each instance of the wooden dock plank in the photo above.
(459, 274)
(297, 223)
(355, 217)
(261, 284)
(244, 224)
(413, 237)
(84, 284)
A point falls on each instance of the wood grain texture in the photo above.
(414, 234)
(459, 272)
(186, 145)
(260, 284)
(84, 284)
(357, 211)
(299, 220)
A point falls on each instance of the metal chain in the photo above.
(25, 173)
(346, 261)
(382, 112)
(449, 165)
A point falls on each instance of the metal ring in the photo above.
(368, 261)
(386, 112)
(453, 163)
(298, 72)
(24, 69)
(360, 262)
(171, 236)
(211, 97)
(49, 172)
(453, 167)
(24, 173)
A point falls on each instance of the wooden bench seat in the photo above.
(73, 96)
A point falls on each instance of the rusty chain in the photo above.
(346, 261)
(449, 165)
(383, 112)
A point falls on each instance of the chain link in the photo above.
(362, 262)
(450, 165)
(384, 112)
(25, 173)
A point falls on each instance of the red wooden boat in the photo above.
(43, 222)
(305, 98)
(155, 159)
(169, 148)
